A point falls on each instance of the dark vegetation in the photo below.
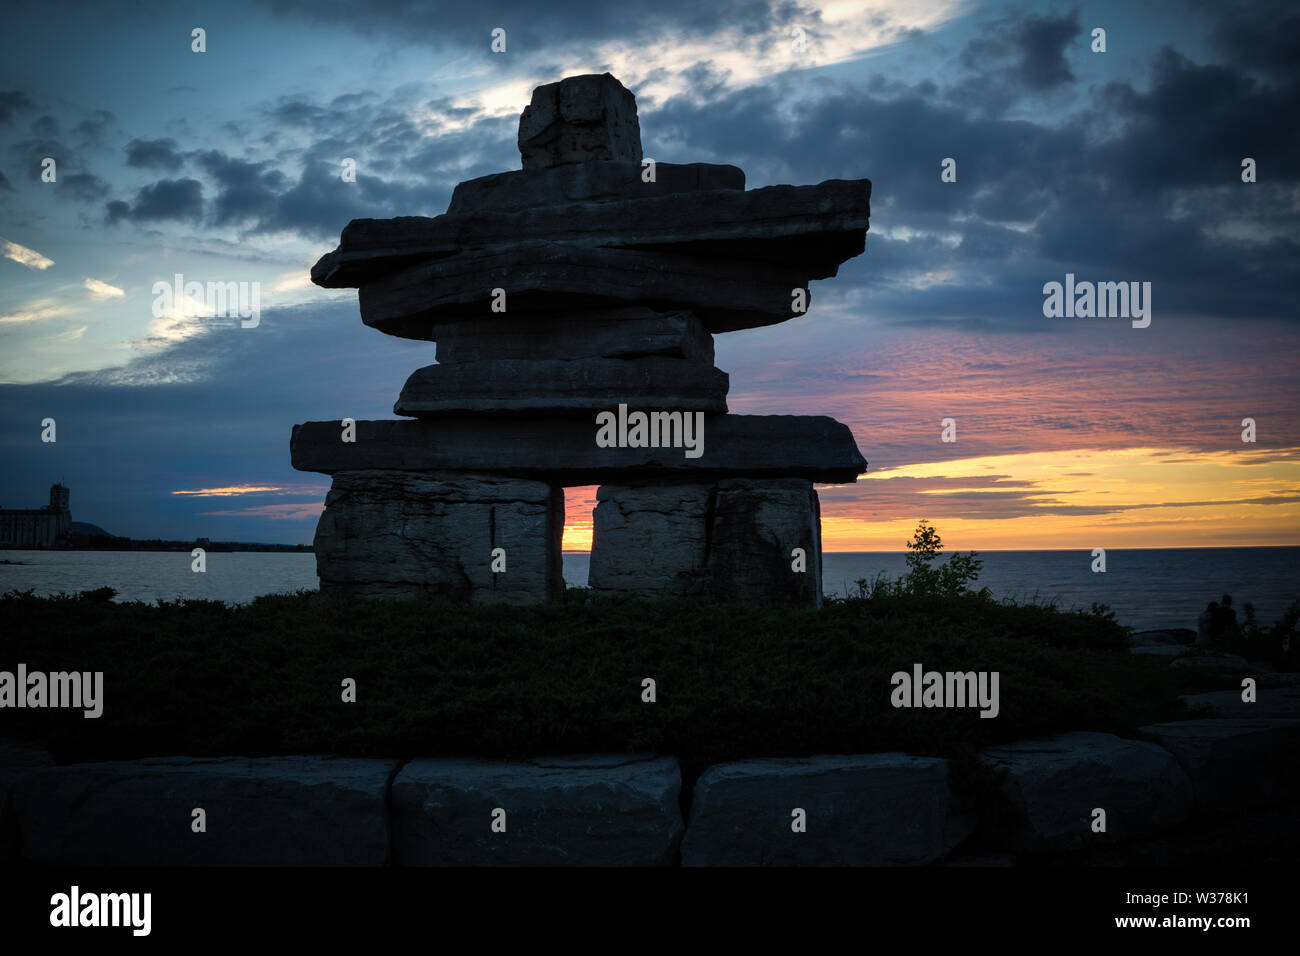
(204, 678)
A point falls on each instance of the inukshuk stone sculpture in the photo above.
(574, 304)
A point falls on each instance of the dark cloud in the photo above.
(400, 168)
(90, 131)
(86, 187)
(1041, 43)
(154, 154)
(1194, 125)
(11, 103)
(46, 127)
(403, 167)
(299, 113)
(705, 81)
(1012, 57)
(116, 211)
(73, 180)
(1259, 35)
(168, 199)
(320, 203)
(247, 191)
(29, 154)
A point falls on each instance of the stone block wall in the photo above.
(888, 809)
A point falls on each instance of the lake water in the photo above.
(1147, 589)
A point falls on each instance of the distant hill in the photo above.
(89, 530)
(84, 536)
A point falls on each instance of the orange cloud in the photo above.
(1086, 498)
(233, 491)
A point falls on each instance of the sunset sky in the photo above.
(1071, 433)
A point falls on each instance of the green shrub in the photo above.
(925, 578)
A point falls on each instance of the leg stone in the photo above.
(403, 534)
(756, 527)
(650, 538)
(727, 541)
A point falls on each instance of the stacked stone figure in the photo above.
(574, 304)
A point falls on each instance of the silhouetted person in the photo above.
(1223, 618)
(1205, 622)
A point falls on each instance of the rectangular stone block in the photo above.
(757, 525)
(738, 540)
(1051, 787)
(598, 810)
(268, 811)
(650, 539)
(887, 809)
(808, 230)
(403, 534)
(550, 277)
(1235, 763)
(547, 387)
(592, 181)
(612, 333)
(563, 451)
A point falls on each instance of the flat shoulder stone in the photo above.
(563, 450)
(810, 229)
(544, 278)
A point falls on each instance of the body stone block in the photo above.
(406, 534)
(731, 540)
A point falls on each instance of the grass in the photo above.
(203, 678)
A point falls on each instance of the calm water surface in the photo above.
(1147, 589)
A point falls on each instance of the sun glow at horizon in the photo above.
(1134, 497)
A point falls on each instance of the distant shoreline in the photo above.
(119, 544)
